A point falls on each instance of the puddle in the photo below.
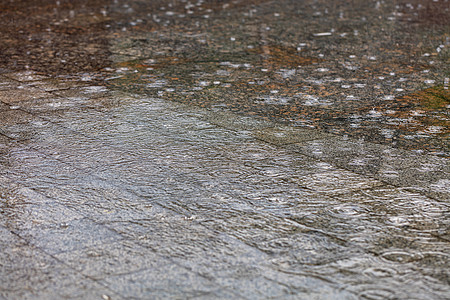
(224, 149)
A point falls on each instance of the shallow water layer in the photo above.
(224, 150)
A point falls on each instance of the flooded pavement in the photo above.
(224, 149)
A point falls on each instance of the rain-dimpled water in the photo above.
(224, 149)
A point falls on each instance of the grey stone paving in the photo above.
(224, 149)
(106, 195)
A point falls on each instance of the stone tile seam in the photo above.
(332, 161)
(205, 112)
(208, 112)
(283, 146)
(276, 125)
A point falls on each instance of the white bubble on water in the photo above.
(387, 133)
(271, 99)
(374, 114)
(319, 34)
(443, 185)
(434, 129)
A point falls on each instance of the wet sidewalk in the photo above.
(174, 171)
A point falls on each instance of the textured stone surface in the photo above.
(224, 150)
